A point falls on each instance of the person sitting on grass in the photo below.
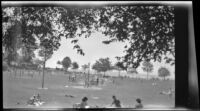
(116, 102)
(31, 100)
(38, 98)
(84, 103)
(139, 103)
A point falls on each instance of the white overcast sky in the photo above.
(95, 49)
(92, 47)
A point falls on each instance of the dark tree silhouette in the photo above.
(102, 65)
(149, 31)
(75, 65)
(66, 63)
(163, 72)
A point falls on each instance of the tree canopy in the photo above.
(102, 65)
(148, 30)
(59, 63)
(38, 62)
(66, 62)
(75, 65)
(120, 66)
(163, 72)
(45, 54)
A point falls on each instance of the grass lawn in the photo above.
(17, 91)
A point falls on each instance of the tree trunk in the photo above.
(147, 75)
(69, 77)
(43, 74)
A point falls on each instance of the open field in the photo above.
(17, 91)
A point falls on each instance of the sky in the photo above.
(95, 49)
(92, 47)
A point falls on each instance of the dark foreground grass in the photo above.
(17, 91)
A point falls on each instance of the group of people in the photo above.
(35, 100)
(116, 103)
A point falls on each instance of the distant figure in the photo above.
(97, 81)
(84, 103)
(116, 102)
(139, 103)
